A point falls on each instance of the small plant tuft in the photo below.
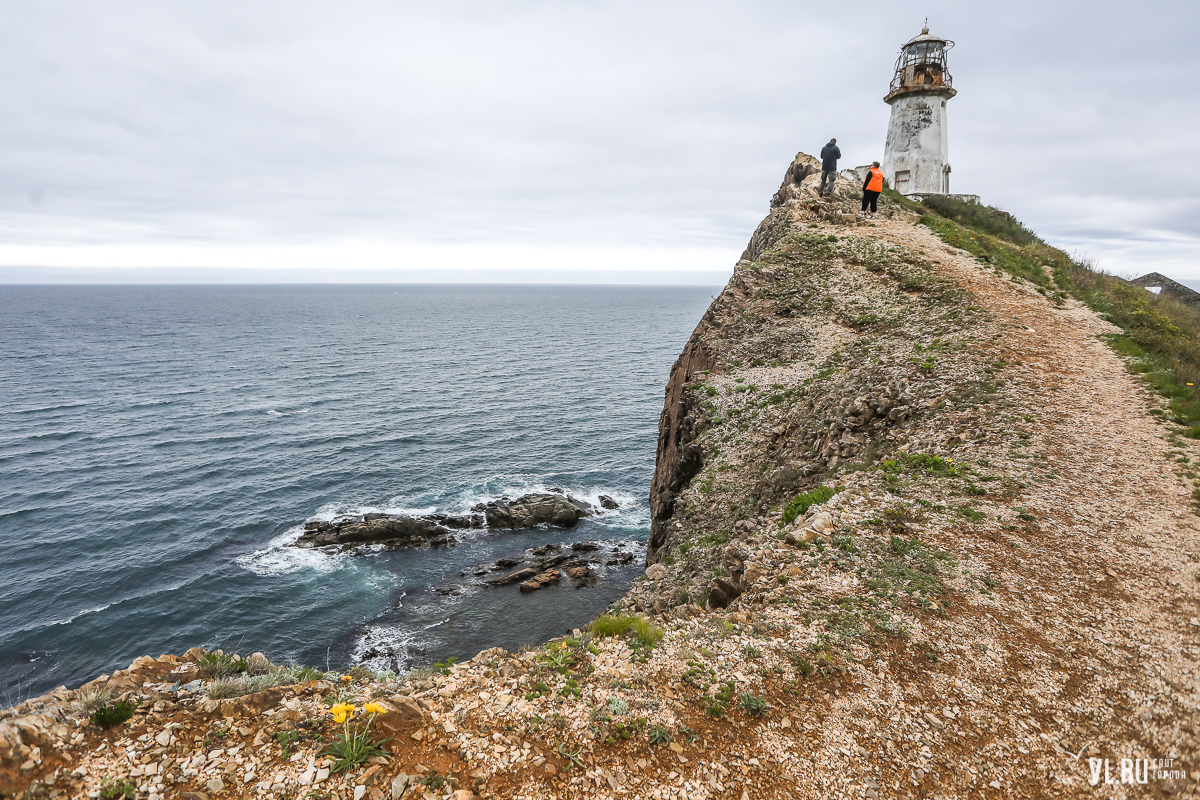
(221, 665)
(801, 503)
(356, 744)
(111, 714)
(87, 701)
(753, 705)
(111, 790)
(643, 630)
(659, 735)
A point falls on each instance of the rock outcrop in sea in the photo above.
(554, 507)
(917, 532)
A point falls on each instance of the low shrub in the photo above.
(111, 714)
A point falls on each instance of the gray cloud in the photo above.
(615, 125)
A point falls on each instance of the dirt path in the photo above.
(1107, 597)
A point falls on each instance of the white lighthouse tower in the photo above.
(916, 157)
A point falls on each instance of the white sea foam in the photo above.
(70, 619)
(279, 558)
(383, 647)
(632, 508)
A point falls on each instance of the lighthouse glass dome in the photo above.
(922, 63)
(924, 53)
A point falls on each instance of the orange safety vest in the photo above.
(876, 182)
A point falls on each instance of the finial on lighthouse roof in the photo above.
(925, 29)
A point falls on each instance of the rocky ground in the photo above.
(916, 534)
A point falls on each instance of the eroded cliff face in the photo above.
(780, 307)
(678, 457)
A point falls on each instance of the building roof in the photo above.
(1173, 289)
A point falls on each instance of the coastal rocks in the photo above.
(400, 711)
(372, 528)
(250, 704)
(535, 572)
(522, 574)
(531, 510)
(581, 576)
(538, 581)
(607, 502)
(547, 564)
(397, 530)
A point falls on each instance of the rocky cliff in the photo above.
(917, 532)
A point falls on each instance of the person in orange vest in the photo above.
(872, 188)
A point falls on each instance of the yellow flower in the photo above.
(341, 711)
(347, 678)
(373, 708)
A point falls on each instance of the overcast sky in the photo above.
(464, 140)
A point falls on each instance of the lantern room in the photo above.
(922, 66)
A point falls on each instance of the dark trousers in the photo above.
(828, 176)
(870, 198)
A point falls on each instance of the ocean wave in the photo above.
(39, 409)
(97, 609)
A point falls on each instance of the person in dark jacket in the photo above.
(829, 158)
(872, 188)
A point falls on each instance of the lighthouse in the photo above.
(916, 157)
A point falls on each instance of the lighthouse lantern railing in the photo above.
(922, 63)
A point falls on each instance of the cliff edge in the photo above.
(917, 532)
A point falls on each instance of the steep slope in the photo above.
(915, 534)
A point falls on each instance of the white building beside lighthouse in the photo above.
(916, 156)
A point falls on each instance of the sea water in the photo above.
(161, 447)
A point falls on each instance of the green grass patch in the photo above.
(922, 462)
(1160, 337)
(1025, 262)
(641, 629)
(801, 503)
(220, 665)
